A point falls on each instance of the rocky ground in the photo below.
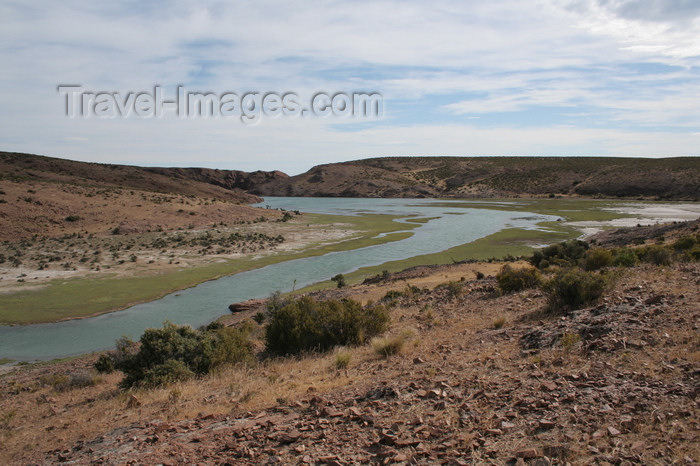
(484, 378)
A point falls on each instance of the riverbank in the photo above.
(579, 218)
(112, 272)
(123, 270)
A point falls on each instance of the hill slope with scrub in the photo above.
(636, 178)
(478, 363)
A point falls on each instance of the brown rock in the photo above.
(506, 426)
(330, 411)
(557, 451)
(638, 445)
(613, 431)
(289, 437)
(527, 453)
(546, 424)
(246, 305)
(549, 386)
(627, 422)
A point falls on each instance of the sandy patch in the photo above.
(644, 214)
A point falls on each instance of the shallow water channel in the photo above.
(451, 223)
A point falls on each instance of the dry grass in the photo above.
(463, 346)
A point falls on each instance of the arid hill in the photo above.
(225, 185)
(50, 197)
(669, 178)
(478, 376)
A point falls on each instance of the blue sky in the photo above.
(558, 77)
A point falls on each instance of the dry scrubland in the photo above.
(465, 373)
(496, 177)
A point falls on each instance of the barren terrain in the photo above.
(493, 177)
(484, 378)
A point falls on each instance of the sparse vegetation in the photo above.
(388, 346)
(64, 382)
(569, 340)
(341, 358)
(305, 324)
(655, 254)
(562, 254)
(339, 280)
(175, 353)
(574, 288)
(511, 280)
(499, 322)
(597, 258)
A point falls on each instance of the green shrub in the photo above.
(562, 254)
(174, 353)
(569, 340)
(104, 364)
(511, 280)
(597, 258)
(340, 280)
(574, 288)
(684, 243)
(655, 254)
(167, 373)
(454, 288)
(306, 325)
(341, 360)
(695, 253)
(388, 346)
(392, 295)
(624, 257)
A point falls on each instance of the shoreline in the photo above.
(351, 233)
(506, 242)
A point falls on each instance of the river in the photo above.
(451, 223)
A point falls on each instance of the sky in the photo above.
(467, 78)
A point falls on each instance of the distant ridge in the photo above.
(228, 185)
(675, 178)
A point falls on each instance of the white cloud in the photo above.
(629, 64)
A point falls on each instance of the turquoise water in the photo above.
(455, 225)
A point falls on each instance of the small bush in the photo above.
(63, 382)
(454, 288)
(307, 325)
(597, 258)
(104, 364)
(569, 340)
(341, 360)
(624, 257)
(511, 280)
(73, 218)
(574, 288)
(655, 254)
(684, 243)
(499, 323)
(388, 346)
(340, 280)
(174, 353)
(393, 295)
(562, 254)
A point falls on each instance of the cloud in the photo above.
(604, 72)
